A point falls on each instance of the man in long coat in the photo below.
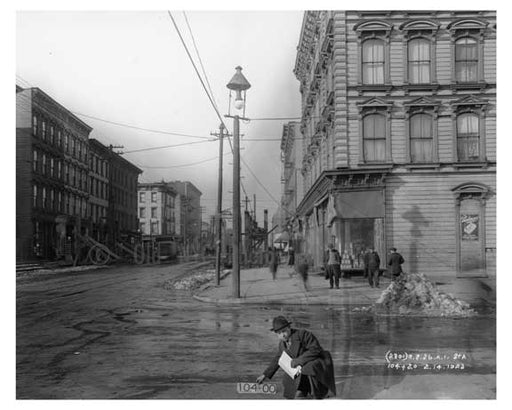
(395, 260)
(316, 374)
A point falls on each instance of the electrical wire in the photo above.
(165, 146)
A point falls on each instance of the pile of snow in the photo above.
(415, 294)
(194, 280)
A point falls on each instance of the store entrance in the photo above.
(356, 236)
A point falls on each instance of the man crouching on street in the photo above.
(316, 373)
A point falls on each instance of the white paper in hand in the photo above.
(285, 362)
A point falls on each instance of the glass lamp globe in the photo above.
(239, 104)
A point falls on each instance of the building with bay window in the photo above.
(399, 137)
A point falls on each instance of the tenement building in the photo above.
(51, 176)
(157, 209)
(399, 137)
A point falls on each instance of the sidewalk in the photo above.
(257, 287)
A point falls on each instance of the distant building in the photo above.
(399, 136)
(123, 178)
(113, 194)
(98, 190)
(190, 215)
(291, 181)
(51, 176)
(157, 209)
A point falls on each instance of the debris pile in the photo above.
(415, 294)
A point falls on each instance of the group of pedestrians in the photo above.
(332, 266)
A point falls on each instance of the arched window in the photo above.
(468, 137)
(421, 136)
(373, 61)
(374, 137)
(466, 60)
(419, 61)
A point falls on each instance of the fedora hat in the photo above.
(279, 322)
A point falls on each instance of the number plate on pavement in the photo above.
(264, 388)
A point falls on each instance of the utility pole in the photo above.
(254, 207)
(219, 207)
(236, 207)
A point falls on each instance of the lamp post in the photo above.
(238, 84)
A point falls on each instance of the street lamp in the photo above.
(238, 84)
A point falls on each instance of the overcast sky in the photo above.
(130, 67)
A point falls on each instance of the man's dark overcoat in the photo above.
(395, 261)
(305, 350)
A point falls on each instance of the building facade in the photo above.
(123, 180)
(66, 184)
(292, 182)
(98, 190)
(399, 137)
(157, 209)
(51, 176)
(190, 216)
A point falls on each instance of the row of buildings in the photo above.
(68, 184)
(397, 141)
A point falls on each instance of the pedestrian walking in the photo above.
(395, 260)
(273, 262)
(334, 267)
(316, 371)
(373, 268)
(365, 262)
(291, 256)
(302, 269)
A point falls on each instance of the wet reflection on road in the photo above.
(114, 343)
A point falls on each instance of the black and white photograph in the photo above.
(219, 203)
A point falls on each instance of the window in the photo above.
(43, 192)
(142, 213)
(153, 196)
(59, 138)
(34, 161)
(468, 137)
(72, 148)
(466, 60)
(34, 196)
(43, 129)
(59, 202)
(142, 227)
(154, 228)
(52, 199)
(373, 62)
(419, 61)
(142, 197)
(34, 125)
(43, 161)
(66, 143)
(153, 212)
(421, 138)
(374, 137)
(52, 134)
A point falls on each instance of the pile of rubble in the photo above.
(415, 294)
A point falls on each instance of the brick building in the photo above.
(399, 128)
(51, 176)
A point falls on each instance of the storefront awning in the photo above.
(359, 204)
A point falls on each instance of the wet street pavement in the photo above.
(121, 333)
